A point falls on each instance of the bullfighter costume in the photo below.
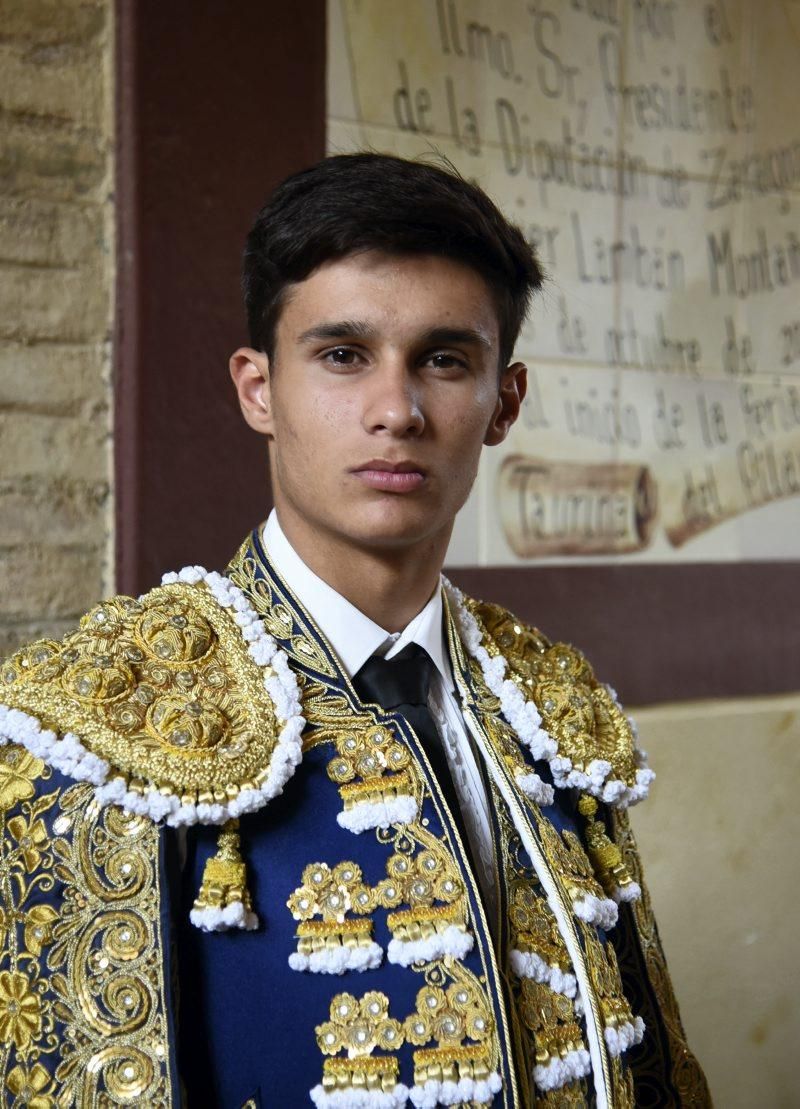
(229, 880)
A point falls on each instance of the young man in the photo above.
(321, 827)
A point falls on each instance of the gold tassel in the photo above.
(606, 858)
(224, 900)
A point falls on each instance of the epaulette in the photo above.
(178, 705)
(550, 694)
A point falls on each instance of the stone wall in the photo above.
(56, 311)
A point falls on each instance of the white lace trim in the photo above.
(527, 964)
(360, 1099)
(364, 815)
(435, 1093)
(234, 915)
(558, 1072)
(624, 1036)
(601, 911)
(454, 940)
(337, 960)
(67, 755)
(524, 718)
(532, 786)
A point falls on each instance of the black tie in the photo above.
(401, 685)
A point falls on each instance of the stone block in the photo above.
(47, 581)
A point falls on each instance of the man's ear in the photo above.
(513, 386)
(250, 372)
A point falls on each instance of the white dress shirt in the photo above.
(355, 638)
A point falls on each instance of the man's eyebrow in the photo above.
(338, 329)
(358, 329)
(445, 336)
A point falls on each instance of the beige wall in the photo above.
(719, 836)
(56, 276)
(719, 833)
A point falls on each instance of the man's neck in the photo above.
(389, 586)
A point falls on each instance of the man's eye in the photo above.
(447, 362)
(341, 356)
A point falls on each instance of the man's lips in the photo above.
(390, 477)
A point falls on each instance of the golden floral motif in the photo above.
(449, 1016)
(38, 931)
(175, 636)
(30, 835)
(358, 1026)
(18, 772)
(31, 1086)
(20, 1009)
(331, 893)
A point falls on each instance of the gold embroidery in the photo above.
(551, 1018)
(687, 1075)
(601, 960)
(622, 1079)
(577, 711)
(547, 1018)
(370, 765)
(533, 926)
(278, 619)
(331, 894)
(572, 1096)
(162, 688)
(18, 772)
(105, 956)
(569, 862)
(419, 880)
(450, 1017)
(358, 1027)
(83, 985)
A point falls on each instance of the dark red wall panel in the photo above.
(216, 103)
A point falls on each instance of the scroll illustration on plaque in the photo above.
(552, 508)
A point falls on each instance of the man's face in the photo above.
(384, 387)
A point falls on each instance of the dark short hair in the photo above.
(351, 203)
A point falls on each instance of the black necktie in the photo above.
(401, 685)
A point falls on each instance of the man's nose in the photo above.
(394, 402)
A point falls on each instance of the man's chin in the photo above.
(395, 530)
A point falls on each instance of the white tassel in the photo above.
(454, 941)
(433, 1092)
(601, 911)
(527, 964)
(360, 1099)
(365, 815)
(619, 1039)
(234, 915)
(559, 1071)
(337, 960)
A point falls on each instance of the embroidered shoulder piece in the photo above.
(178, 705)
(549, 694)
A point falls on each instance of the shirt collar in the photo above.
(353, 636)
